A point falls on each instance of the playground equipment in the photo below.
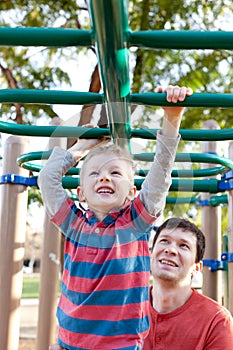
(113, 50)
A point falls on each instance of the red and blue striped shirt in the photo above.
(104, 300)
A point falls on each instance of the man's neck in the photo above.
(167, 297)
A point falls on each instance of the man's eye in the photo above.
(163, 240)
(183, 245)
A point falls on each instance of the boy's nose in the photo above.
(104, 178)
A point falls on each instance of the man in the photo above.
(181, 318)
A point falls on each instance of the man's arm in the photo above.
(156, 185)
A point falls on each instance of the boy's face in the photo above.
(173, 256)
(106, 183)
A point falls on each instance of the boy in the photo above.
(104, 301)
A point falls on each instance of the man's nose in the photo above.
(171, 249)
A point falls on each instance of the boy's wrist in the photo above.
(171, 126)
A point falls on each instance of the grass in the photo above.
(31, 285)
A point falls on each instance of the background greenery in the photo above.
(31, 285)
(47, 68)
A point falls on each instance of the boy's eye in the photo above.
(116, 172)
(94, 173)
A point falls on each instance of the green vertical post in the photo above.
(110, 29)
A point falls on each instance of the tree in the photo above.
(203, 70)
(40, 68)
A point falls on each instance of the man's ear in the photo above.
(197, 268)
(80, 193)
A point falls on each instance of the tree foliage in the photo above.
(41, 68)
(203, 70)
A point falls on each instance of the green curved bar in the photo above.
(49, 37)
(208, 172)
(182, 39)
(227, 164)
(191, 157)
(49, 96)
(191, 173)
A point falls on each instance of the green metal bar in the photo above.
(70, 131)
(207, 186)
(74, 97)
(188, 135)
(182, 200)
(216, 200)
(196, 100)
(49, 97)
(191, 172)
(24, 161)
(181, 173)
(169, 200)
(54, 131)
(110, 28)
(191, 157)
(50, 37)
(199, 172)
(162, 39)
(222, 199)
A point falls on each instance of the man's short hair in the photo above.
(185, 225)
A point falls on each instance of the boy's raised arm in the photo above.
(157, 182)
(59, 162)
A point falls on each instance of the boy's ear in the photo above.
(80, 193)
(132, 193)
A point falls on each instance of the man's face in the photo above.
(173, 256)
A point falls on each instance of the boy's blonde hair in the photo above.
(111, 149)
